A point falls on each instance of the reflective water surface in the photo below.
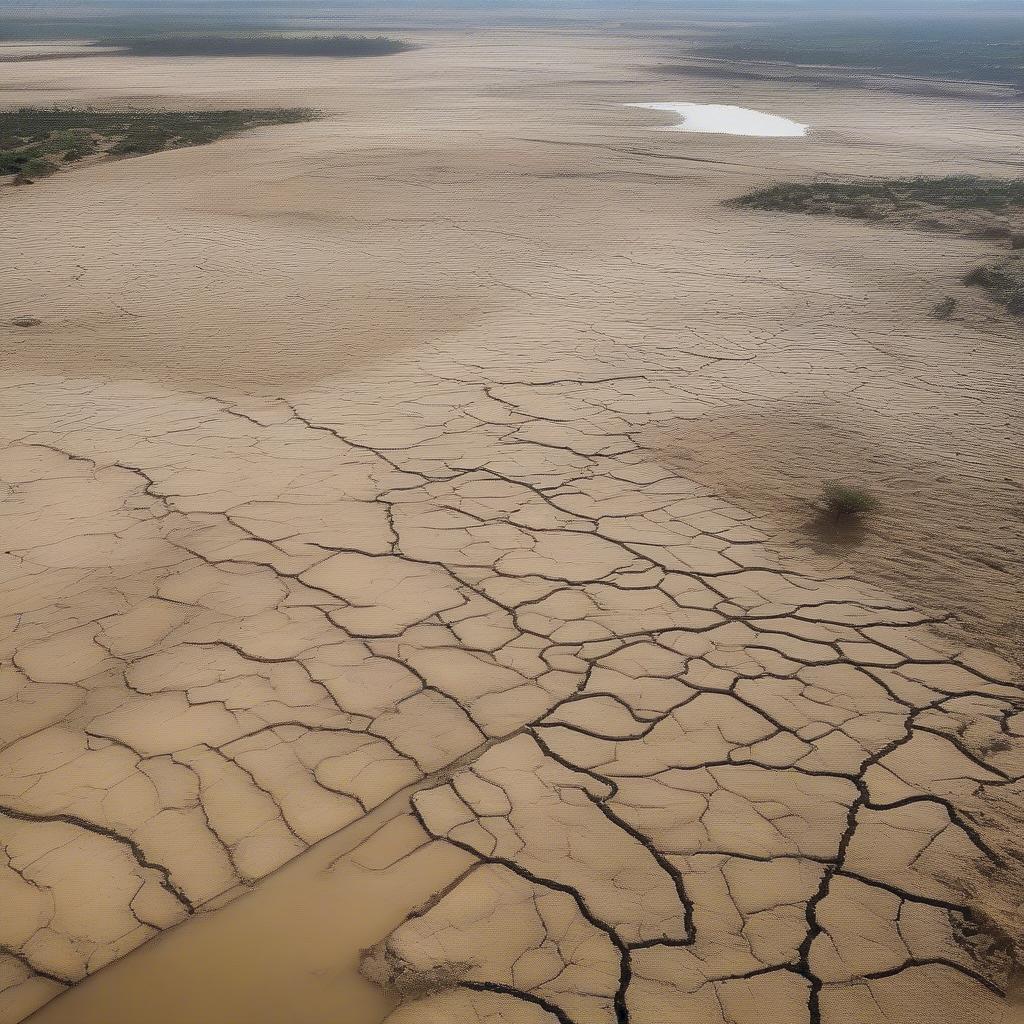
(720, 119)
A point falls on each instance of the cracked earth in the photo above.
(337, 483)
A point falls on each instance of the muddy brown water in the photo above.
(286, 953)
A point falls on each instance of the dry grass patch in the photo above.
(1003, 280)
(848, 500)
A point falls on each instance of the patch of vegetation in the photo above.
(878, 199)
(1003, 280)
(36, 142)
(51, 23)
(945, 309)
(258, 45)
(847, 499)
(964, 48)
(964, 205)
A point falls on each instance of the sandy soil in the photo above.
(441, 467)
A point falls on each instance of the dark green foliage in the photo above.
(36, 167)
(70, 145)
(989, 49)
(873, 199)
(258, 45)
(847, 499)
(74, 23)
(34, 142)
(138, 143)
(11, 163)
(945, 309)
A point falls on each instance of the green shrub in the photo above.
(848, 499)
(36, 167)
(945, 309)
(140, 143)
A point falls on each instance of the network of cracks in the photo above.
(700, 777)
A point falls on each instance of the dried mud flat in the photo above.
(361, 493)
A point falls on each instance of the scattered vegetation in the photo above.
(36, 142)
(258, 45)
(237, 43)
(1003, 280)
(966, 204)
(847, 499)
(963, 48)
(79, 22)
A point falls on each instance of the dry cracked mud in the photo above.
(359, 488)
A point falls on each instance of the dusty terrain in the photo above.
(431, 480)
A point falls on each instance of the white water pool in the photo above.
(719, 119)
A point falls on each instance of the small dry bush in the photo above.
(848, 499)
(1003, 280)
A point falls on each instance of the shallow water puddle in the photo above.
(720, 119)
(287, 952)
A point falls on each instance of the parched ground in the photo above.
(354, 479)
